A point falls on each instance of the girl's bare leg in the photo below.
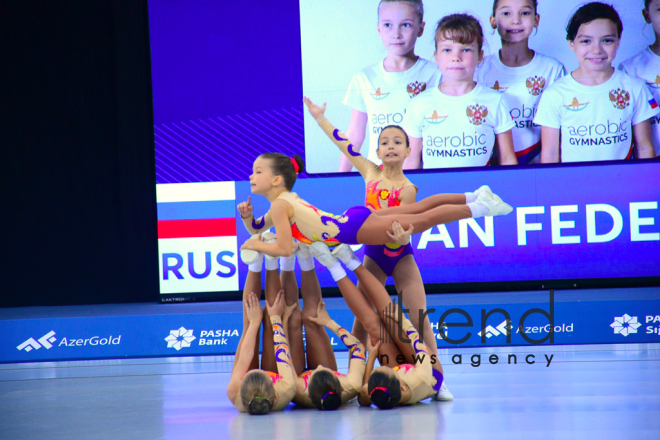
(374, 324)
(319, 348)
(294, 323)
(371, 321)
(425, 204)
(358, 329)
(273, 286)
(252, 284)
(408, 280)
(374, 229)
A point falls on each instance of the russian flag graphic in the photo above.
(652, 103)
(197, 241)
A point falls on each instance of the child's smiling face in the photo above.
(399, 27)
(595, 45)
(514, 19)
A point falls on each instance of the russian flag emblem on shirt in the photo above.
(652, 103)
(197, 242)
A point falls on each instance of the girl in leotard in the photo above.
(254, 390)
(394, 382)
(274, 175)
(386, 187)
(323, 387)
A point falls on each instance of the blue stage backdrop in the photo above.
(568, 223)
(228, 85)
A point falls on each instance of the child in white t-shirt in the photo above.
(457, 123)
(518, 72)
(596, 112)
(379, 94)
(646, 65)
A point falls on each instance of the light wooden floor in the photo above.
(588, 392)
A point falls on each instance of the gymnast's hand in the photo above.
(322, 317)
(245, 208)
(288, 311)
(277, 309)
(400, 235)
(253, 309)
(372, 348)
(314, 109)
(250, 244)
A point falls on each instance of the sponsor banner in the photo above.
(583, 322)
(197, 237)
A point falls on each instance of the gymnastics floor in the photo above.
(607, 391)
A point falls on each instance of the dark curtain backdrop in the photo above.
(78, 171)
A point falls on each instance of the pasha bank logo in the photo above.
(625, 325)
(181, 338)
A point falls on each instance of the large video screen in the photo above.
(228, 82)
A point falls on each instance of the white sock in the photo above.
(337, 271)
(271, 264)
(353, 263)
(306, 263)
(256, 266)
(470, 197)
(288, 263)
(478, 210)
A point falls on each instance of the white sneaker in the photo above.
(483, 189)
(443, 394)
(343, 253)
(494, 204)
(269, 237)
(322, 253)
(303, 250)
(486, 189)
(249, 256)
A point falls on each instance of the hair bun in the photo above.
(331, 401)
(301, 163)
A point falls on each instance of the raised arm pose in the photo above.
(388, 187)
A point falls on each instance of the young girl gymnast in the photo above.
(379, 94)
(646, 65)
(274, 175)
(596, 112)
(320, 386)
(253, 390)
(458, 123)
(387, 186)
(519, 72)
(399, 380)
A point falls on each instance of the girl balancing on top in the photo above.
(518, 72)
(379, 94)
(646, 64)
(388, 187)
(274, 175)
(458, 123)
(596, 112)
